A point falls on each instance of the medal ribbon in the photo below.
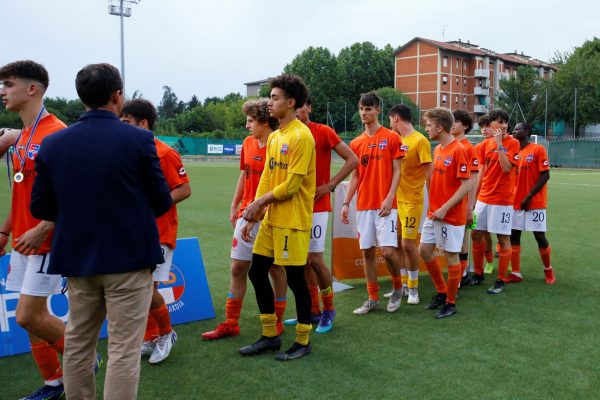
(16, 147)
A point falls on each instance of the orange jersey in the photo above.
(479, 151)
(533, 161)
(375, 155)
(252, 162)
(175, 175)
(450, 167)
(325, 140)
(497, 186)
(472, 156)
(21, 217)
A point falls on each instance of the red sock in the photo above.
(478, 253)
(463, 267)
(435, 271)
(151, 332)
(59, 346)
(545, 254)
(314, 299)
(47, 361)
(504, 256)
(162, 318)
(397, 282)
(233, 308)
(280, 305)
(454, 276)
(515, 260)
(373, 290)
(327, 299)
(489, 256)
(498, 247)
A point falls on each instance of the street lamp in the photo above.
(122, 8)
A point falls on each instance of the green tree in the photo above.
(169, 105)
(389, 98)
(524, 89)
(192, 103)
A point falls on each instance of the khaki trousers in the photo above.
(122, 298)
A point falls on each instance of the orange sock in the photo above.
(504, 256)
(435, 271)
(151, 332)
(162, 318)
(327, 299)
(397, 282)
(233, 308)
(280, 304)
(498, 247)
(545, 254)
(463, 267)
(489, 256)
(373, 290)
(454, 276)
(59, 346)
(47, 361)
(314, 299)
(515, 260)
(478, 254)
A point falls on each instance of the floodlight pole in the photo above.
(122, 45)
(122, 9)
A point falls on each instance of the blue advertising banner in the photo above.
(186, 293)
(229, 149)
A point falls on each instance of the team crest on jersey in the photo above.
(545, 163)
(383, 144)
(173, 289)
(404, 148)
(463, 168)
(447, 161)
(34, 149)
(284, 149)
(529, 158)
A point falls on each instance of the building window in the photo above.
(445, 62)
(444, 98)
(464, 65)
(455, 99)
(465, 82)
(457, 81)
(465, 100)
(445, 79)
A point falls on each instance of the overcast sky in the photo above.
(211, 48)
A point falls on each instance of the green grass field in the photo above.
(532, 342)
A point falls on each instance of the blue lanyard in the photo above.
(16, 146)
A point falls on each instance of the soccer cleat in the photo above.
(164, 344)
(290, 322)
(404, 292)
(489, 268)
(465, 281)
(367, 307)
(148, 348)
(436, 301)
(497, 288)
(448, 311)
(326, 322)
(513, 278)
(476, 280)
(47, 392)
(413, 296)
(314, 319)
(222, 330)
(550, 279)
(261, 345)
(293, 353)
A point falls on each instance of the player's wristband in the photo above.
(331, 188)
(346, 204)
(501, 148)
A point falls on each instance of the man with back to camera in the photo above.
(101, 181)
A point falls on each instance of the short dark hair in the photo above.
(370, 99)
(141, 109)
(259, 110)
(498, 115)
(308, 101)
(464, 118)
(402, 111)
(484, 121)
(95, 83)
(293, 86)
(441, 116)
(26, 69)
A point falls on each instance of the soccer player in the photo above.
(318, 275)
(444, 226)
(286, 190)
(376, 180)
(494, 202)
(415, 169)
(530, 215)
(463, 123)
(252, 162)
(160, 337)
(23, 86)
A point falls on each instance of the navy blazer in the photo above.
(100, 180)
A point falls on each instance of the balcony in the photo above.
(482, 73)
(504, 75)
(481, 91)
(480, 109)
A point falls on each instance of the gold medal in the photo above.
(19, 177)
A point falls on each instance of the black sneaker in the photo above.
(465, 281)
(436, 301)
(296, 351)
(261, 345)
(476, 280)
(497, 288)
(448, 311)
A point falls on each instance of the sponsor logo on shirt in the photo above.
(34, 149)
(383, 144)
(475, 162)
(364, 160)
(545, 163)
(517, 157)
(529, 158)
(404, 148)
(181, 171)
(447, 161)
(463, 168)
(284, 149)
(372, 145)
(273, 164)
(257, 158)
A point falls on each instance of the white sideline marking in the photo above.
(574, 184)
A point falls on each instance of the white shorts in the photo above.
(530, 220)
(445, 236)
(493, 218)
(318, 232)
(29, 275)
(161, 273)
(240, 249)
(374, 230)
